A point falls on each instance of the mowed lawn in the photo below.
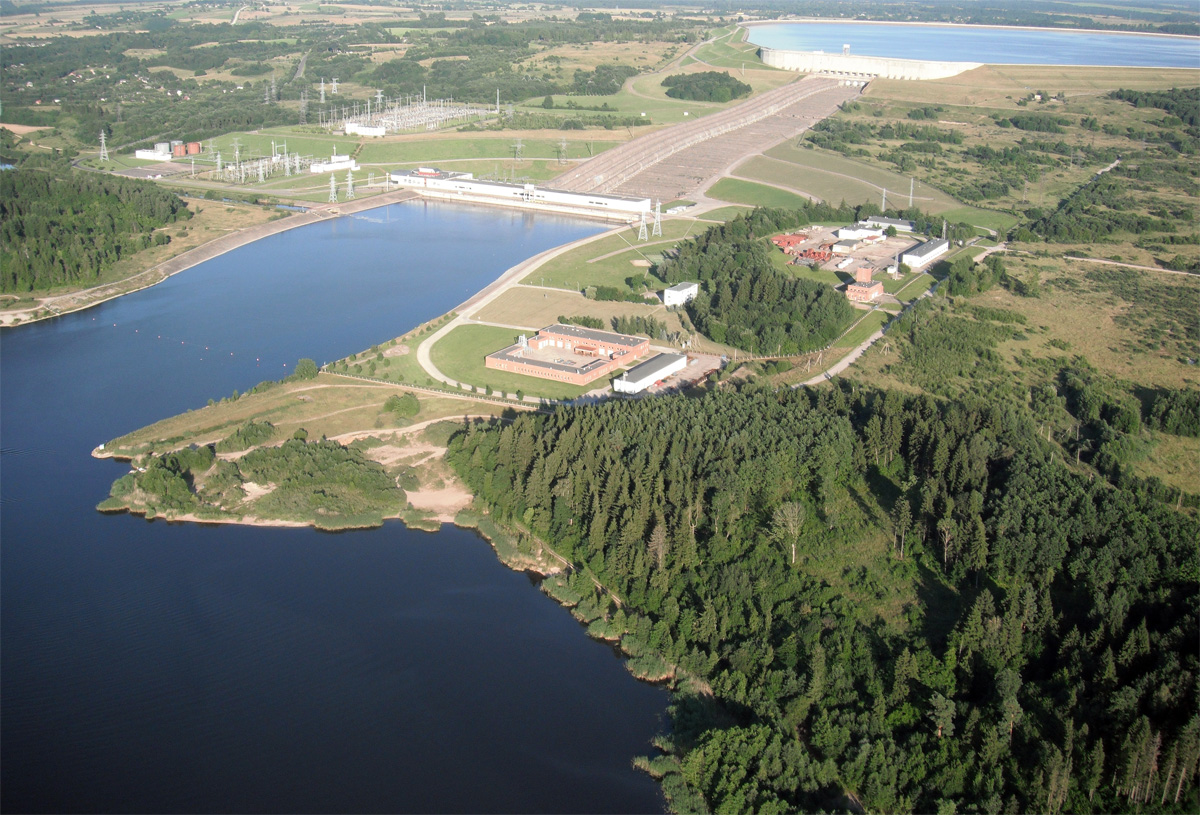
(460, 354)
(868, 325)
(754, 194)
(607, 262)
(538, 307)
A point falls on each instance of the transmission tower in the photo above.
(335, 86)
(303, 107)
(262, 170)
(237, 151)
(379, 100)
(349, 184)
(218, 161)
(322, 90)
(103, 147)
(642, 229)
(562, 150)
(517, 149)
(266, 94)
(332, 189)
(657, 231)
(370, 179)
(274, 90)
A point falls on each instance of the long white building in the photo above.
(655, 369)
(334, 164)
(465, 187)
(918, 256)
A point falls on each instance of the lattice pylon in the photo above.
(657, 231)
(103, 146)
(642, 236)
(332, 189)
(349, 184)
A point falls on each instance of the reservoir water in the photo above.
(1001, 46)
(154, 667)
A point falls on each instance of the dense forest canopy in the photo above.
(60, 227)
(706, 86)
(745, 301)
(872, 599)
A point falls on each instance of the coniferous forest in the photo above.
(871, 600)
(63, 228)
(745, 300)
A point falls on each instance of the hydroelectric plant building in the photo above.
(568, 353)
(456, 186)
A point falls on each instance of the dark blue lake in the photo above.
(1001, 46)
(154, 667)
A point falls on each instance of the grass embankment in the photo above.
(255, 459)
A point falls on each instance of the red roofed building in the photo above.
(786, 242)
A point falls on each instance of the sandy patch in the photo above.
(256, 491)
(396, 351)
(645, 264)
(445, 503)
(21, 130)
(390, 454)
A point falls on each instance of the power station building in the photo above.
(680, 293)
(456, 186)
(568, 353)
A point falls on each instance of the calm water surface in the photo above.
(1005, 46)
(162, 667)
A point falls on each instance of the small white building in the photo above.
(845, 247)
(880, 222)
(655, 369)
(858, 233)
(925, 253)
(334, 164)
(680, 293)
(355, 129)
(151, 155)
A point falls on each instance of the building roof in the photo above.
(512, 354)
(928, 248)
(433, 172)
(595, 335)
(653, 367)
(879, 219)
(683, 288)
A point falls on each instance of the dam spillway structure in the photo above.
(847, 66)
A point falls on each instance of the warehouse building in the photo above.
(654, 370)
(925, 253)
(568, 353)
(880, 222)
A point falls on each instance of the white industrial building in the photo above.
(845, 247)
(680, 293)
(858, 233)
(880, 222)
(465, 187)
(356, 129)
(919, 256)
(334, 164)
(656, 369)
(151, 155)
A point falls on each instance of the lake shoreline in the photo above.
(218, 246)
(759, 23)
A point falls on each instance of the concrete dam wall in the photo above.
(847, 65)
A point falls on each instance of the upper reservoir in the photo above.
(156, 667)
(995, 45)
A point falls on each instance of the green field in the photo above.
(607, 262)
(459, 355)
(751, 193)
(867, 326)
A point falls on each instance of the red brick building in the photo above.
(568, 353)
(863, 289)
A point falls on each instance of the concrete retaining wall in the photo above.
(847, 65)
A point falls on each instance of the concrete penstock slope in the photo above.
(677, 161)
